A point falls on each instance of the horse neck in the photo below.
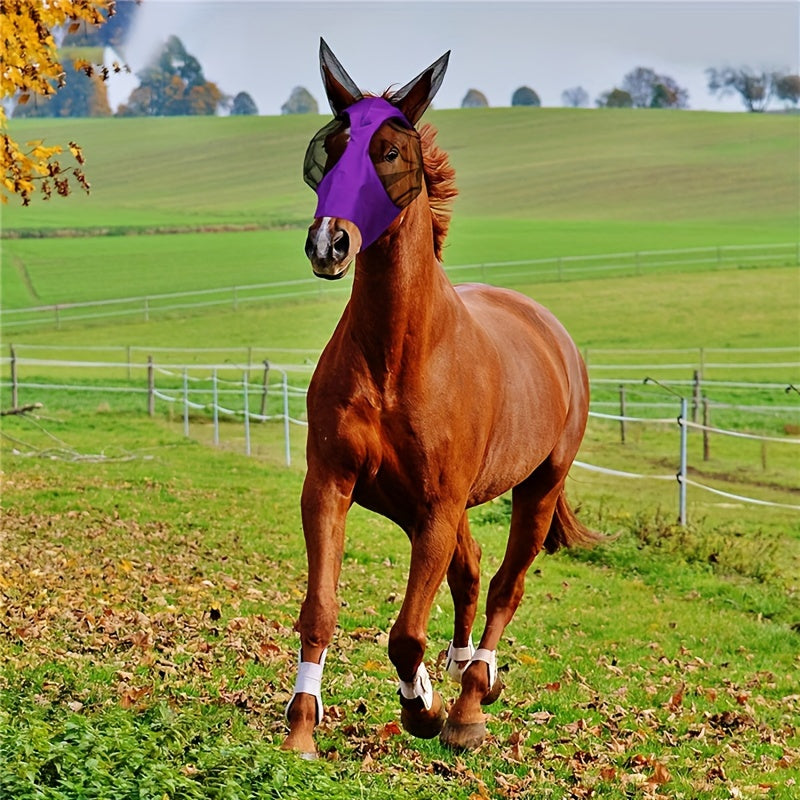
(401, 295)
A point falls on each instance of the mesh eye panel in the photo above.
(403, 177)
(324, 150)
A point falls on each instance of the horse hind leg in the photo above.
(534, 504)
(463, 578)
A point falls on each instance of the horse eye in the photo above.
(392, 155)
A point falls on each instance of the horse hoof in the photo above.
(494, 692)
(424, 724)
(468, 736)
(301, 743)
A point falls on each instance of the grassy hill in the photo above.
(534, 183)
(519, 163)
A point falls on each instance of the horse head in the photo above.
(365, 165)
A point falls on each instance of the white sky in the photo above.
(267, 48)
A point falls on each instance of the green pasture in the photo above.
(534, 184)
(661, 167)
(149, 581)
(152, 653)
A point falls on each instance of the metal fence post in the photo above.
(683, 462)
(622, 413)
(185, 403)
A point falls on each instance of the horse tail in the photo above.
(566, 530)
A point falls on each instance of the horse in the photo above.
(428, 399)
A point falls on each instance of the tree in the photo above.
(525, 96)
(787, 88)
(648, 89)
(616, 98)
(577, 97)
(174, 85)
(81, 96)
(31, 68)
(474, 99)
(754, 88)
(243, 105)
(300, 101)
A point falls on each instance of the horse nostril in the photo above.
(309, 248)
(341, 244)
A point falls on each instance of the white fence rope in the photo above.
(287, 391)
(738, 434)
(618, 418)
(621, 473)
(739, 497)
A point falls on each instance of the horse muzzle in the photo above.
(331, 246)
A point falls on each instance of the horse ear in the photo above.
(339, 86)
(417, 94)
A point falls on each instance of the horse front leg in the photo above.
(422, 709)
(324, 506)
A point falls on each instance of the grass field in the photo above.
(553, 182)
(149, 582)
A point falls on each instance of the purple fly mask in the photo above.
(348, 184)
(366, 164)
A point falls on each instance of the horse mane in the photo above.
(440, 182)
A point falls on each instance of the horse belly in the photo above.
(535, 382)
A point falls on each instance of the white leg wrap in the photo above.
(419, 687)
(309, 681)
(489, 657)
(456, 654)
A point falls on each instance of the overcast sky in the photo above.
(267, 48)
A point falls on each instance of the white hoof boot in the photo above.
(456, 654)
(309, 681)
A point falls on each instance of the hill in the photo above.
(535, 164)
(533, 182)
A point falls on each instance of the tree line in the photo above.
(52, 66)
(175, 85)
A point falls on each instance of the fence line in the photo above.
(637, 261)
(246, 389)
(682, 476)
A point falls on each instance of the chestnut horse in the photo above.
(428, 399)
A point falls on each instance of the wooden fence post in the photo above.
(706, 442)
(151, 387)
(695, 395)
(264, 390)
(14, 386)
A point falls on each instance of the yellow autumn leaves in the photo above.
(31, 67)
